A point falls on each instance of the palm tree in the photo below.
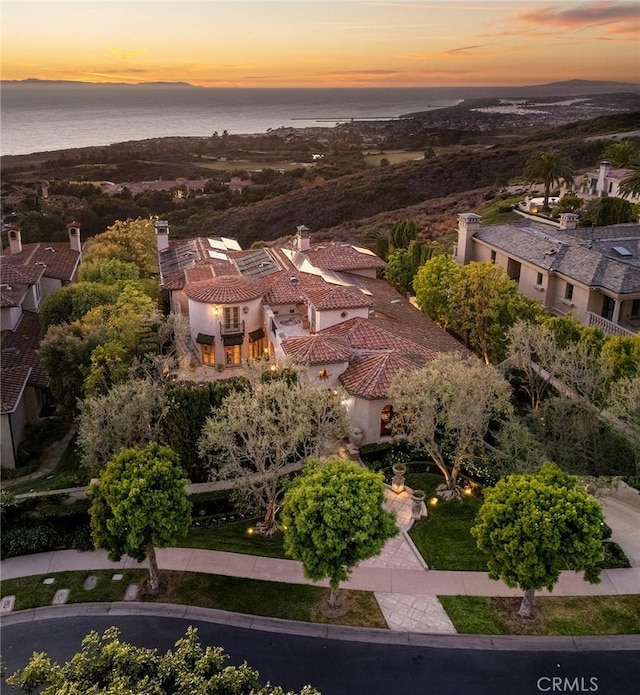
(631, 184)
(622, 154)
(549, 167)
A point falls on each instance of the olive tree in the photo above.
(140, 503)
(130, 414)
(259, 435)
(445, 409)
(533, 526)
(334, 519)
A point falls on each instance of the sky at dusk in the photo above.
(322, 43)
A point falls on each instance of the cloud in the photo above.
(465, 49)
(361, 72)
(123, 53)
(589, 14)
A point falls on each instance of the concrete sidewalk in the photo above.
(412, 582)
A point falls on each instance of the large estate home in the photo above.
(319, 304)
(29, 273)
(592, 273)
(602, 183)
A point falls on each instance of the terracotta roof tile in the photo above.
(290, 287)
(226, 289)
(341, 256)
(12, 383)
(59, 259)
(337, 297)
(19, 348)
(369, 376)
(317, 349)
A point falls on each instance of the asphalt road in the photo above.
(339, 667)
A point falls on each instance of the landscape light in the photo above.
(433, 501)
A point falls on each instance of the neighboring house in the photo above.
(29, 273)
(321, 305)
(592, 273)
(602, 183)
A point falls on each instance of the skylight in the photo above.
(622, 251)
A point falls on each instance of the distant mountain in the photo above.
(37, 81)
(566, 88)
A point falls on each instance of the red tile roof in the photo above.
(59, 259)
(317, 349)
(342, 256)
(226, 289)
(19, 348)
(16, 280)
(369, 376)
(13, 381)
(337, 297)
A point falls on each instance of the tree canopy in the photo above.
(477, 302)
(257, 435)
(130, 414)
(140, 503)
(445, 409)
(549, 168)
(106, 665)
(533, 526)
(334, 519)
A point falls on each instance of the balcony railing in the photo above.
(227, 328)
(609, 327)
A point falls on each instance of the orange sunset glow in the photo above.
(317, 43)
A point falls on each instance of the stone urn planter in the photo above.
(397, 481)
(357, 435)
(418, 509)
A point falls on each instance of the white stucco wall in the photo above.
(49, 285)
(365, 414)
(9, 317)
(325, 319)
(206, 318)
(12, 431)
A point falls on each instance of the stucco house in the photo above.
(592, 273)
(603, 183)
(320, 304)
(29, 273)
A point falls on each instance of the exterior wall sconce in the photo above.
(245, 309)
(324, 374)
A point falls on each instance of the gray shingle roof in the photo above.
(586, 256)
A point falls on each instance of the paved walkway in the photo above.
(406, 590)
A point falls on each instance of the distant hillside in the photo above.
(347, 199)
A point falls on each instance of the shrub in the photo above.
(614, 556)
(208, 504)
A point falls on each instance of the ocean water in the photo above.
(39, 117)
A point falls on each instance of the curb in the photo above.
(333, 632)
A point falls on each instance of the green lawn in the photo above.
(394, 156)
(443, 537)
(584, 615)
(235, 538)
(275, 599)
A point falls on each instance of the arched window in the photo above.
(385, 421)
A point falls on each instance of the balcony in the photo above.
(609, 328)
(232, 328)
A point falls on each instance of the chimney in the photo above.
(162, 235)
(74, 236)
(15, 240)
(468, 225)
(303, 240)
(601, 186)
(568, 220)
